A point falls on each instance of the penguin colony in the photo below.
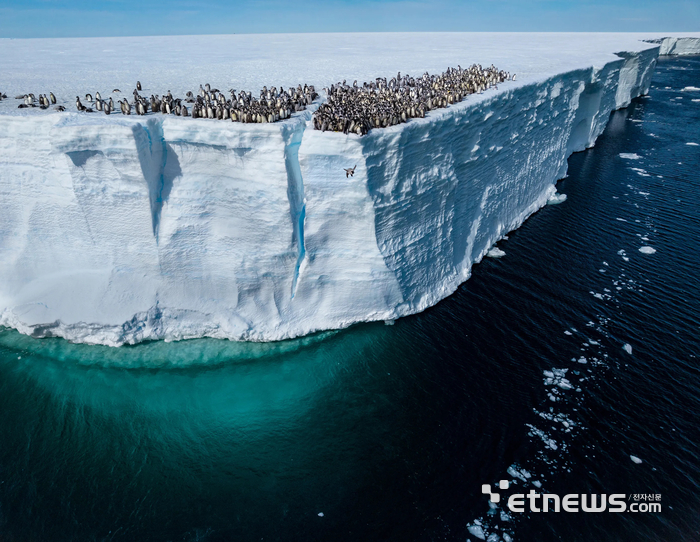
(44, 102)
(354, 109)
(348, 109)
(272, 106)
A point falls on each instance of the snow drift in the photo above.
(123, 229)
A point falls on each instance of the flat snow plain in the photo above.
(120, 229)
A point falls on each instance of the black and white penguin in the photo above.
(138, 85)
(88, 97)
(53, 98)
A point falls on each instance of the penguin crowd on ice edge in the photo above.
(348, 109)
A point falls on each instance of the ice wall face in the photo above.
(165, 228)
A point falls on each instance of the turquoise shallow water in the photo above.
(390, 431)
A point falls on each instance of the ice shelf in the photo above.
(121, 229)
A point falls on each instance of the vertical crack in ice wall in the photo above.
(295, 193)
(159, 164)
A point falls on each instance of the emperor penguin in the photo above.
(88, 97)
(138, 85)
(53, 98)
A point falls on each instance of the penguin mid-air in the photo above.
(349, 172)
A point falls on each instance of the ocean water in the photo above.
(551, 366)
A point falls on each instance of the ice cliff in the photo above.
(127, 229)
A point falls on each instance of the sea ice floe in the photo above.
(640, 171)
(521, 474)
(635, 459)
(627, 348)
(495, 252)
(692, 144)
(546, 439)
(690, 89)
(629, 156)
(556, 377)
(556, 199)
(476, 530)
(647, 250)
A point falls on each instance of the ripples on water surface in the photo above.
(390, 431)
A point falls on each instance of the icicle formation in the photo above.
(354, 109)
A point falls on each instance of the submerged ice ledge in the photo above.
(164, 228)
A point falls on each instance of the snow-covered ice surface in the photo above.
(120, 229)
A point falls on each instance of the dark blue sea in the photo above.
(569, 366)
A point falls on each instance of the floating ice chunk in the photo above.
(537, 483)
(548, 442)
(493, 537)
(635, 459)
(567, 332)
(640, 171)
(629, 156)
(582, 360)
(692, 144)
(647, 250)
(320, 514)
(507, 538)
(556, 199)
(388, 322)
(621, 219)
(476, 530)
(627, 348)
(695, 100)
(690, 89)
(521, 474)
(495, 252)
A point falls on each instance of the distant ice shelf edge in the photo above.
(166, 228)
